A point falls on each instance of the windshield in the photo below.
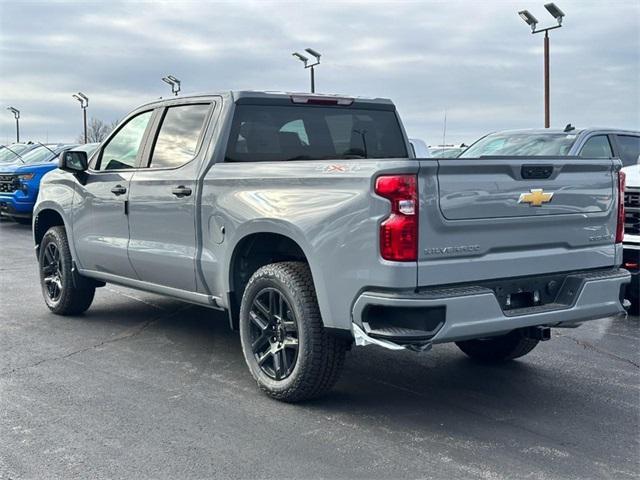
(7, 155)
(12, 153)
(521, 144)
(37, 155)
(446, 152)
(41, 154)
(275, 133)
(19, 147)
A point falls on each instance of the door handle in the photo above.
(181, 191)
(119, 190)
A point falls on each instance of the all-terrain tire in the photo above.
(498, 349)
(320, 355)
(64, 298)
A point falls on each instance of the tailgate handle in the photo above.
(536, 171)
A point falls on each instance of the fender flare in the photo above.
(285, 229)
(50, 205)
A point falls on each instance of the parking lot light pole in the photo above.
(174, 82)
(533, 22)
(84, 103)
(16, 114)
(311, 66)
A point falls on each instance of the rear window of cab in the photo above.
(271, 133)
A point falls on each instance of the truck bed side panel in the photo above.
(327, 207)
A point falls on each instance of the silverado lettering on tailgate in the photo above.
(451, 250)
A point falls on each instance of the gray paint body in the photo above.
(184, 246)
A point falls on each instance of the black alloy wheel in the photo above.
(290, 354)
(53, 273)
(64, 293)
(273, 334)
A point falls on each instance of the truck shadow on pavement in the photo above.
(405, 389)
(143, 378)
(180, 367)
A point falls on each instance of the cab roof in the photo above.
(264, 97)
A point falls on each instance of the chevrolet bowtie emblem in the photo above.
(536, 197)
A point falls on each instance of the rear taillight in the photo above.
(399, 231)
(620, 226)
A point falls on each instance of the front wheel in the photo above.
(60, 294)
(498, 349)
(285, 345)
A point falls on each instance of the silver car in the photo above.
(587, 142)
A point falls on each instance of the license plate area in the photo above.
(528, 292)
(522, 300)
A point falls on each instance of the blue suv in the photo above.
(20, 179)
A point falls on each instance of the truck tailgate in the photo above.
(496, 218)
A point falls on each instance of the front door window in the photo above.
(122, 150)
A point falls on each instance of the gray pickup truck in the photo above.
(309, 219)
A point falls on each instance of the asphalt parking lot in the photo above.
(145, 387)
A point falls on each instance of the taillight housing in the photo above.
(620, 225)
(399, 231)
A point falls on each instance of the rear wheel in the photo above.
(60, 293)
(498, 349)
(287, 349)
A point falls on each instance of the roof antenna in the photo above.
(569, 127)
(444, 130)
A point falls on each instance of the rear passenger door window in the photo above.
(597, 146)
(628, 149)
(179, 135)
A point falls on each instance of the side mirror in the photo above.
(73, 161)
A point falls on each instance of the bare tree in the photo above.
(97, 130)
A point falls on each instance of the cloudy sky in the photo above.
(476, 60)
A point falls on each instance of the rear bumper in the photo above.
(631, 257)
(473, 311)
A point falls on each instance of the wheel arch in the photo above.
(50, 216)
(43, 221)
(46, 217)
(259, 247)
